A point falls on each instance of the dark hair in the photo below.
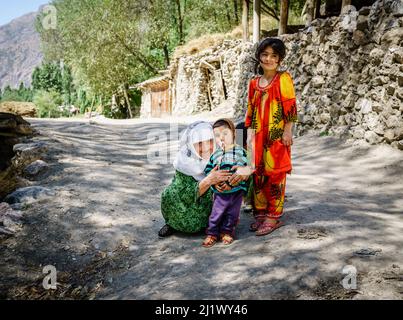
(278, 47)
(225, 123)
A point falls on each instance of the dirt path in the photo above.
(344, 207)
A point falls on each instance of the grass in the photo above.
(204, 42)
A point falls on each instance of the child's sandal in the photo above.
(227, 239)
(209, 241)
(267, 228)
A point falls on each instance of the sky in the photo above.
(11, 9)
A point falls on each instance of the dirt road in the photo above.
(344, 207)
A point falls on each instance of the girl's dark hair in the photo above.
(278, 47)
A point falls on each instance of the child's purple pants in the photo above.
(225, 213)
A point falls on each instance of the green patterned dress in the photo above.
(181, 206)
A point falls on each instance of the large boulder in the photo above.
(10, 220)
(25, 109)
(29, 195)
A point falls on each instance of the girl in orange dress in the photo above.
(270, 116)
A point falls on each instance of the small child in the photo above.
(227, 204)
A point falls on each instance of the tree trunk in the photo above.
(317, 9)
(256, 21)
(127, 101)
(227, 10)
(343, 4)
(245, 20)
(166, 56)
(180, 20)
(283, 17)
(309, 11)
(236, 12)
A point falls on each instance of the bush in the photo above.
(48, 104)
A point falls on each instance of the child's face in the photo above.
(223, 136)
(269, 60)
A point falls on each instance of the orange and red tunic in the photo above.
(269, 108)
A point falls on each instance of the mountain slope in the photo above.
(19, 51)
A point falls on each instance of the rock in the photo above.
(28, 152)
(392, 37)
(389, 135)
(372, 138)
(376, 56)
(5, 232)
(367, 252)
(392, 122)
(358, 133)
(7, 210)
(25, 109)
(364, 106)
(362, 22)
(36, 168)
(374, 123)
(12, 125)
(397, 55)
(325, 118)
(399, 133)
(29, 195)
(318, 81)
(10, 220)
(359, 38)
(364, 11)
(377, 107)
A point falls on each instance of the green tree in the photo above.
(48, 103)
(47, 77)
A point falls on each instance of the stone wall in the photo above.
(211, 80)
(349, 76)
(347, 70)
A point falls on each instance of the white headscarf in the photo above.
(188, 161)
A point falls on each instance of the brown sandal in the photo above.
(209, 241)
(227, 239)
(254, 226)
(267, 227)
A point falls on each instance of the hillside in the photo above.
(19, 51)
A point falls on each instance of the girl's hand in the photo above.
(241, 174)
(287, 138)
(222, 186)
(287, 134)
(216, 176)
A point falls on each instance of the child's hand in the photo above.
(216, 176)
(222, 187)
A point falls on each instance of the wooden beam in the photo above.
(256, 21)
(343, 4)
(283, 17)
(309, 11)
(317, 9)
(245, 20)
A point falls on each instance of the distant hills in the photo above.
(19, 51)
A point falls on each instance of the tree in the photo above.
(283, 17)
(245, 20)
(47, 77)
(48, 103)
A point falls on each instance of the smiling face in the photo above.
(269, 59)
(223, 136)
(204, 148)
